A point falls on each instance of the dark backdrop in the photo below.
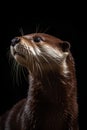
(72, 30)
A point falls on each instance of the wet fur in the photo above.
(52, 97)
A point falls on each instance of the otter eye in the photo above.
(37, 39)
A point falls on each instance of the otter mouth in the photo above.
(19, 54)
(15, 52)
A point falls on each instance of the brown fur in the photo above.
(52, 97)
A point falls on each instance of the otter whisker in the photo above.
(10, 57)
(43, 57)
(46, 29)
(24, 73)
(30, 59)
(39, 65)
(21, 31)
(15, 72)
(37, 28)
(39, 69)
(19, 75)
(12, 63)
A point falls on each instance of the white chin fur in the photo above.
(55, 53)
(58, 56)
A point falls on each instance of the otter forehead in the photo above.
(45, 37)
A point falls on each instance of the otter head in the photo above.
(40, 52)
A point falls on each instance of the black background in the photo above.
(69, 27)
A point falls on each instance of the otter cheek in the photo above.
(20, 60)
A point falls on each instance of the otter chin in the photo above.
(51, 102)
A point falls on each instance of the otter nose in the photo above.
(14, 41)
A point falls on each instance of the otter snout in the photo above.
(14, 41)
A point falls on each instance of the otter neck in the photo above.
(48, 88)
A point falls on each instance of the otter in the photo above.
(52, 96)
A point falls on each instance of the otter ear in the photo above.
(65, 46)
